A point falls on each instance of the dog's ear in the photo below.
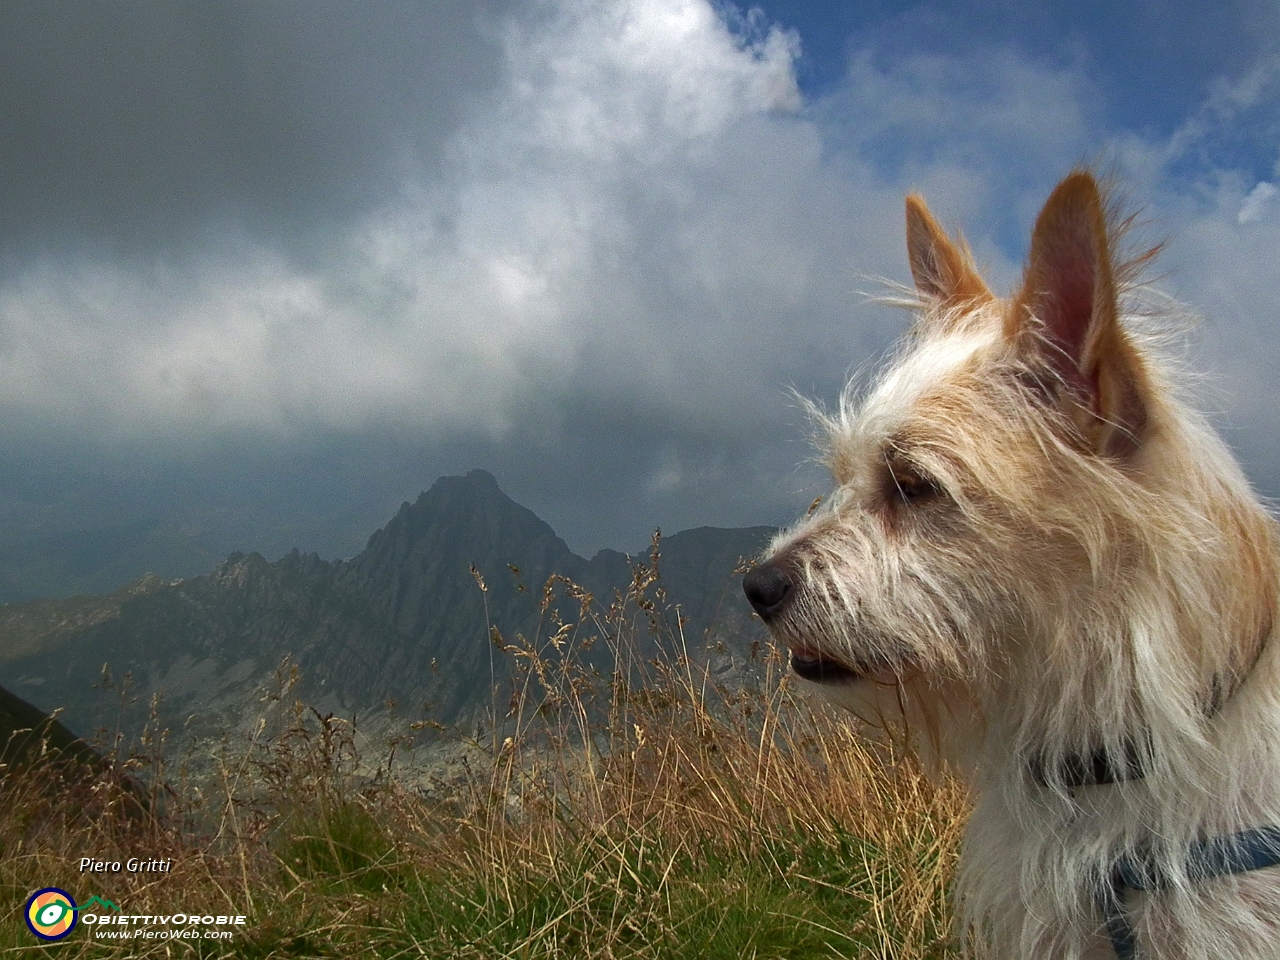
(1068, 311)
(943, 271)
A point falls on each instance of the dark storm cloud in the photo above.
(136, 125)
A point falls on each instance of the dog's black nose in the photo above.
(768, 589)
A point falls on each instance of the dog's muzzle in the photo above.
(770, 591)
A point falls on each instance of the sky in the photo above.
(268, 270)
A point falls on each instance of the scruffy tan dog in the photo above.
(1047, 567)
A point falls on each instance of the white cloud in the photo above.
(1230, 104)
(1259, 204)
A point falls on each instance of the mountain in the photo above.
(404, 622)
(416, 574)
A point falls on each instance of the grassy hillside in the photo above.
(649, 814)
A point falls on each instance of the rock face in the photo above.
(405, 621)
(416, 574)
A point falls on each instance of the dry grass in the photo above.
(649, 814)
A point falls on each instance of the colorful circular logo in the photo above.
(51, 913)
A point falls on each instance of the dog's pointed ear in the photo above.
(1068, 311)
(943, 271)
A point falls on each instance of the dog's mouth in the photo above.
(820, 669)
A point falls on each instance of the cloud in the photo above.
(1235, 110)
(593, 242)
(135, 128)
(1259, 204)
(635, 209)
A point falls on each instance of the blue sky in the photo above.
(266, 271)
(1154, 62)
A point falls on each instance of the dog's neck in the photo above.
(1102, 766)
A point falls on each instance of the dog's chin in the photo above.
(817, 668)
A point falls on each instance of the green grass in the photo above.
(704, 823)
(630, 891)
(632, 898)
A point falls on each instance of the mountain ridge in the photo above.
(404, 621)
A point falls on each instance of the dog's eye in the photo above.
(913, 486)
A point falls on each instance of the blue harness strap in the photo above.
(1215, 857)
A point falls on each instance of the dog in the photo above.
(1046, 567)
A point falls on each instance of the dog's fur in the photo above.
(1035, 551)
